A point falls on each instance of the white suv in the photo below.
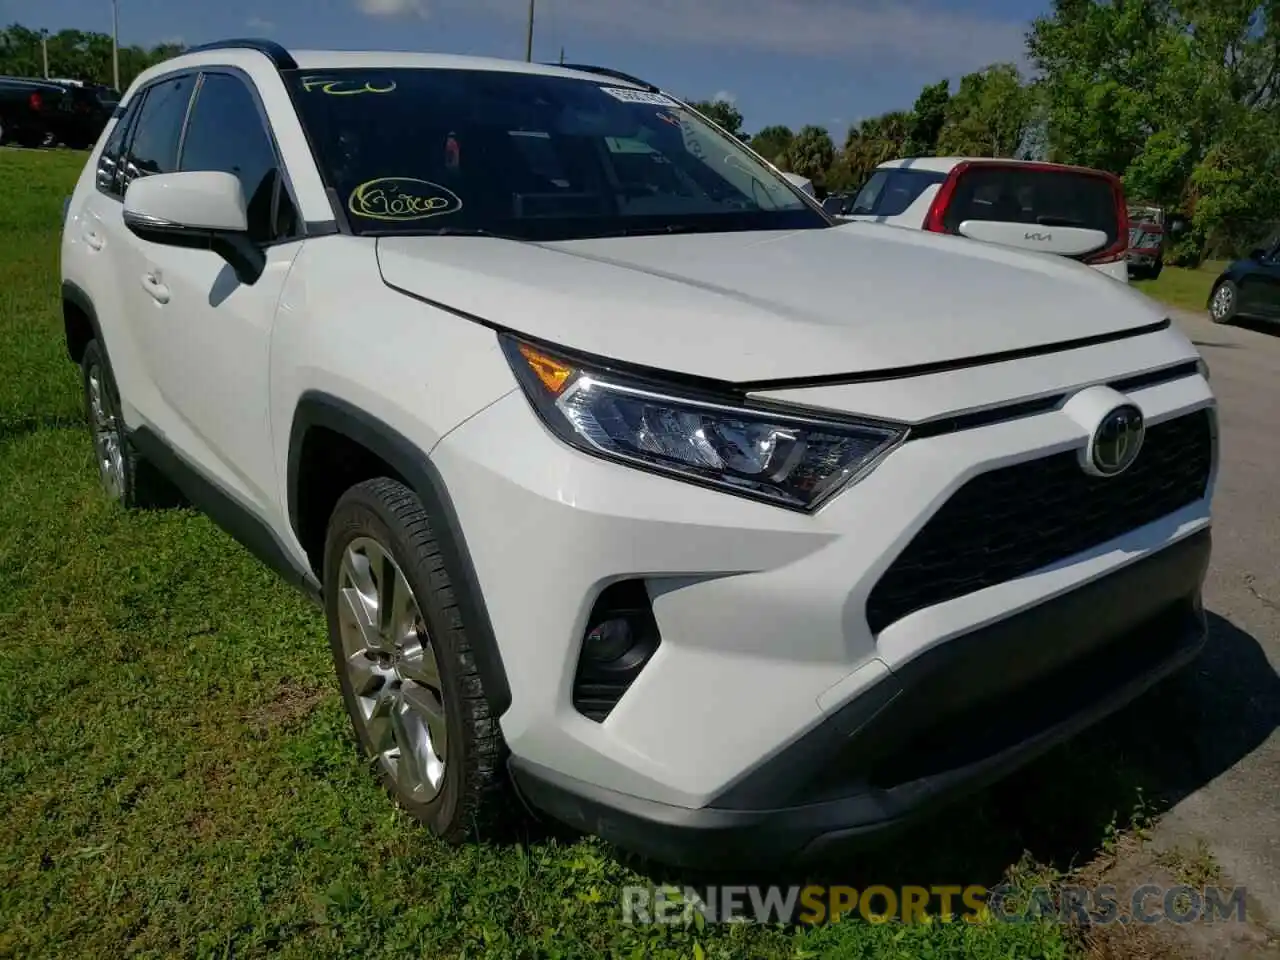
(610, 492)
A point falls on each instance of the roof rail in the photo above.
(607, 72)
(277, 54)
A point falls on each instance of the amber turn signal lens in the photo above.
(550, 372)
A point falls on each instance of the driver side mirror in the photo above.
(1259, 254)
(202, 209)
(832, 206)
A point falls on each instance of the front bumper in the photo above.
(763, 612)
(953, 720)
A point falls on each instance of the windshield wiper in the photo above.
(442, 232)
(468, 232)
(1059, 222)
(667, 228)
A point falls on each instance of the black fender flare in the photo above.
(318, 409)
(75, 294)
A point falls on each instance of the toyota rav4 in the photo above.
(632, 484)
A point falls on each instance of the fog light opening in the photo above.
(620, 638)
(608, 640)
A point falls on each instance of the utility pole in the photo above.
(528, 37)
(44, 51)
(115, 43)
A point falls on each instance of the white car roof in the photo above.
(337, 59)
(947, 164)
(387, 59)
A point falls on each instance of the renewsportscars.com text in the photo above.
(815, 904)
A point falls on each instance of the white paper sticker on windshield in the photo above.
(627, 95)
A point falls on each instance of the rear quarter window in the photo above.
(1064, 198)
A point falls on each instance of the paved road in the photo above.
(1230, 745)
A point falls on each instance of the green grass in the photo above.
(178, 777)
(1182, 288)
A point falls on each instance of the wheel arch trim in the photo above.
(74, 294)
(319, 409)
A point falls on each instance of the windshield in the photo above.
(891, 191)
(423, 151)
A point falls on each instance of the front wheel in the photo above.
(1224, 305)
(404, 662)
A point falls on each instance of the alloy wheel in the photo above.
(390, 662)
(107, 444)
(1222, 302)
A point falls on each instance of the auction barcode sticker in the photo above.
(627, 95)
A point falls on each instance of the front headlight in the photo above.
(787, 458)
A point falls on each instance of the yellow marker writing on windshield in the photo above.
(402, 198)
(344, 88)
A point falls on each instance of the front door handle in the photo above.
(159, 292)
(93, 239)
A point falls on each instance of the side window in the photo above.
(226, 133)
(154, 148)
(109, 159)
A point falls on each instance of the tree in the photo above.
(811, 153)
(773, 142)
(988, 116)
(927, 118)
(75, 54)
(871, 143)
(723, 113)
(1180, 97)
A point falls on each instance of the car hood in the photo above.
(760, 306)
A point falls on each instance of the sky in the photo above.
(827, 62)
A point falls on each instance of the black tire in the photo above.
(139, 483)
(1224, 303)
(1155, 271)
(473, 798)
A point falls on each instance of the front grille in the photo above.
(1015, 520)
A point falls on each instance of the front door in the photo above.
(208, 333)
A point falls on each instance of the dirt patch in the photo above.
(291, 703)
(1135, 863)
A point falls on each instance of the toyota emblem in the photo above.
(1117, 440)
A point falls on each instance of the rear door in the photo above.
(1066, 211)
(99, 239)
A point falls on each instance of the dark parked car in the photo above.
(91, 108)
(34, 111)
(31, 110)
(1249, 287)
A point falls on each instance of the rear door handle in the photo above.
(159, 292)
(94, 240)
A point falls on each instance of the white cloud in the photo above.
(920, 33)
(725, 96)
(392, 8)
(259, 24)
